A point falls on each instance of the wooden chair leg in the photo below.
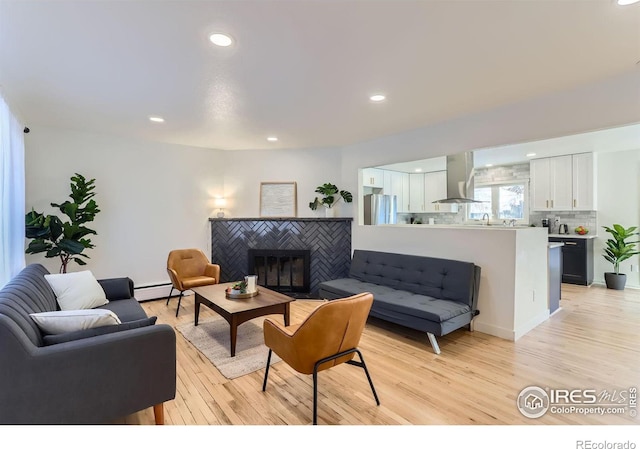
(158, 413)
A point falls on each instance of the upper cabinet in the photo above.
(551, 183)
(435, 188)
(584, 181)
(563, 183)
(373, 177)
(416, 192)
(425, 188)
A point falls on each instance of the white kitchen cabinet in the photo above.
(584, 181)
(405, 197)
(551, 183)
(539, 175)
(416, 192)
(425, 188)
(563, 183)
(397, 183)
(435, 188)
(373, 177)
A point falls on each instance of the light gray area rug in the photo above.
(212, 339)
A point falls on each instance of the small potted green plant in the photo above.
(330, 197)
(617, 250)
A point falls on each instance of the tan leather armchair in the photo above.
(328, 337)
(190, 268)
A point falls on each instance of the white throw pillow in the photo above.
(75, 291)
(73, 320)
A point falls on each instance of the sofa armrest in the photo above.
(117, 288)
(89, 381)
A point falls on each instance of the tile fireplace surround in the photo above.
(328, 239)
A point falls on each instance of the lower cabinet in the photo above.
(577, 260)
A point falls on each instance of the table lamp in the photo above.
(220, 202)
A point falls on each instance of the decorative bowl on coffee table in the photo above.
(239, 294)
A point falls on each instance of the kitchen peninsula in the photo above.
(514, 292)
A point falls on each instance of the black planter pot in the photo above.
(615, 281)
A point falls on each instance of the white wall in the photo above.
(153, 197)
(245, 170)
(618, 202)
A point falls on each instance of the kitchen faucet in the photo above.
(487, 217)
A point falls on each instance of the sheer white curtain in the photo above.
(12, 209)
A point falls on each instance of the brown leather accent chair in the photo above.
(190, 268)
(328, 337)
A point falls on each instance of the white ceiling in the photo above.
(300, 70)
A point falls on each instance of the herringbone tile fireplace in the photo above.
(327, 239)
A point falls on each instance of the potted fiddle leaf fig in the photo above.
(618, 249)
(65, 240)
(331, 195)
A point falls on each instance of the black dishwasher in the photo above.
(577, 260)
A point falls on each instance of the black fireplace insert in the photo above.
(283, 270)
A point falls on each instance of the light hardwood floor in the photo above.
(591, 342)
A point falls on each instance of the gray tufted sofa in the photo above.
(436, 296)
(90, 377)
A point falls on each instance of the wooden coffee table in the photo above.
(237, 311)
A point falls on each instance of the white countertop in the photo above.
(575, 236)
(492, 227)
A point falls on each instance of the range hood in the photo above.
(459, 179)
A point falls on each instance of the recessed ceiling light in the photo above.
(221, 40)
(530, 154)
(488, 165)
(418, 170)
(627, 2)
(156, 119)
(377, 98)
(272, 139)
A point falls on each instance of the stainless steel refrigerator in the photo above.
(380, 209)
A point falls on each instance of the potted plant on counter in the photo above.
(617, 250)
(330, 197)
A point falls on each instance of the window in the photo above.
(11, 194)
(502, 202)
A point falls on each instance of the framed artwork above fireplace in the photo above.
(278, 199)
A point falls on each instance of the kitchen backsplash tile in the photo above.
(503, 173)
(438, 218)
(572, 219)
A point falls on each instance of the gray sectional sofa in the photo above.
(436, 296)
(89, 376)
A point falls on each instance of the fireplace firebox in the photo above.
(283, 270)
